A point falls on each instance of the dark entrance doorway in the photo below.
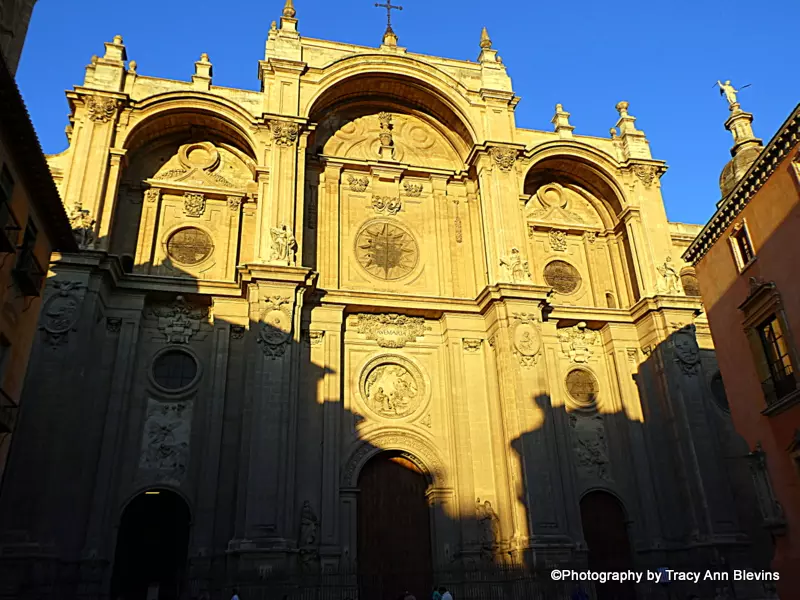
(394, 532)
(152, 546)
(606, 534)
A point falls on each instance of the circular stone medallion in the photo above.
(562, 277)
(386, 250)
(527, 340)
(276, 327)
(582, 387)
(392, 387)
(189, 246)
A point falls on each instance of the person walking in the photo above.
(235, 594)
(436, 595)
(446, 595)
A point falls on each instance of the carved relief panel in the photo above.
(164, 455)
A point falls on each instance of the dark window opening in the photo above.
(781, 379)
(28, 273)
(744, 246)
(9, 236)
(174, 370)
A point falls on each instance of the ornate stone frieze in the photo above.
(412, 189)
(237, 332)
(100, 109)
(590, 447)
(670, 279)
(391, 330)
(194, 205)
(284, 245)
(633, 355)
(357, 184)
(164, 454)
(152, 195)
(386, 205)
(82, 224)
(179, 321)
(687, 352)
(410, 447)
(646, 174)
(516, 268)
(504, 158)
(527, 339)
(234, 203)
(472, 344)
(61, 311)
(591, 237)
(284, 133)
(113, 324)
(578, 342)
(275, 327)
(459, 230)
(558, 240)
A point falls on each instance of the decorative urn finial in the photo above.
(486, 41)
(288, 11)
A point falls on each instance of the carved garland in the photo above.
(100, 110)
(391, 330)
(645, 173)
(386, 205)
(357, 184)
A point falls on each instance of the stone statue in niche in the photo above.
(82, 225)
(386, 150)
(308, 526)
(165, 440)
(284, 245)
(489, 521)
(670, 279)
(516, 267)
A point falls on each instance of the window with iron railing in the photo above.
(781, 380)
(28, 273)
(9, 226)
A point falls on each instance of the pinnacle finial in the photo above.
(118, 39)
(486, 41)
(288, 10)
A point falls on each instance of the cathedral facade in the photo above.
(360, 320)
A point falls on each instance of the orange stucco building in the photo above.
(747, 260)
(32, 224)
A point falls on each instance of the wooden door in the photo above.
(606, 533)
(394, 537)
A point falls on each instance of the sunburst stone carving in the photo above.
(386, 250)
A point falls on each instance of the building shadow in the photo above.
(175, 445)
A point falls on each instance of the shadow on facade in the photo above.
(256, 490)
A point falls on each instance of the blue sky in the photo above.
(662, 57)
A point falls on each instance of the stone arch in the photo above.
(150, 487)
(402, 78)
(226, 117)
(580, 163)
(611, 492)
(411, 446)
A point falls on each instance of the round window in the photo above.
(189, 246)
(562, 277)
(582, 387)
(174, 370)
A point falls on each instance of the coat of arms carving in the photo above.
(276, 326)
(194, 205)
(578, 342)
(180, 320)
(527, 339)
(61, 311)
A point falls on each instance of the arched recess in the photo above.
(407, 444)
(182, 146)
(574, 216)
(605, 531)
(152, 546)
(407, 81)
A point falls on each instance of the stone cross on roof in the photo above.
(389, 37)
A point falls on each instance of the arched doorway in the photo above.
(606, 534)
(394, 532)
(152, 546)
